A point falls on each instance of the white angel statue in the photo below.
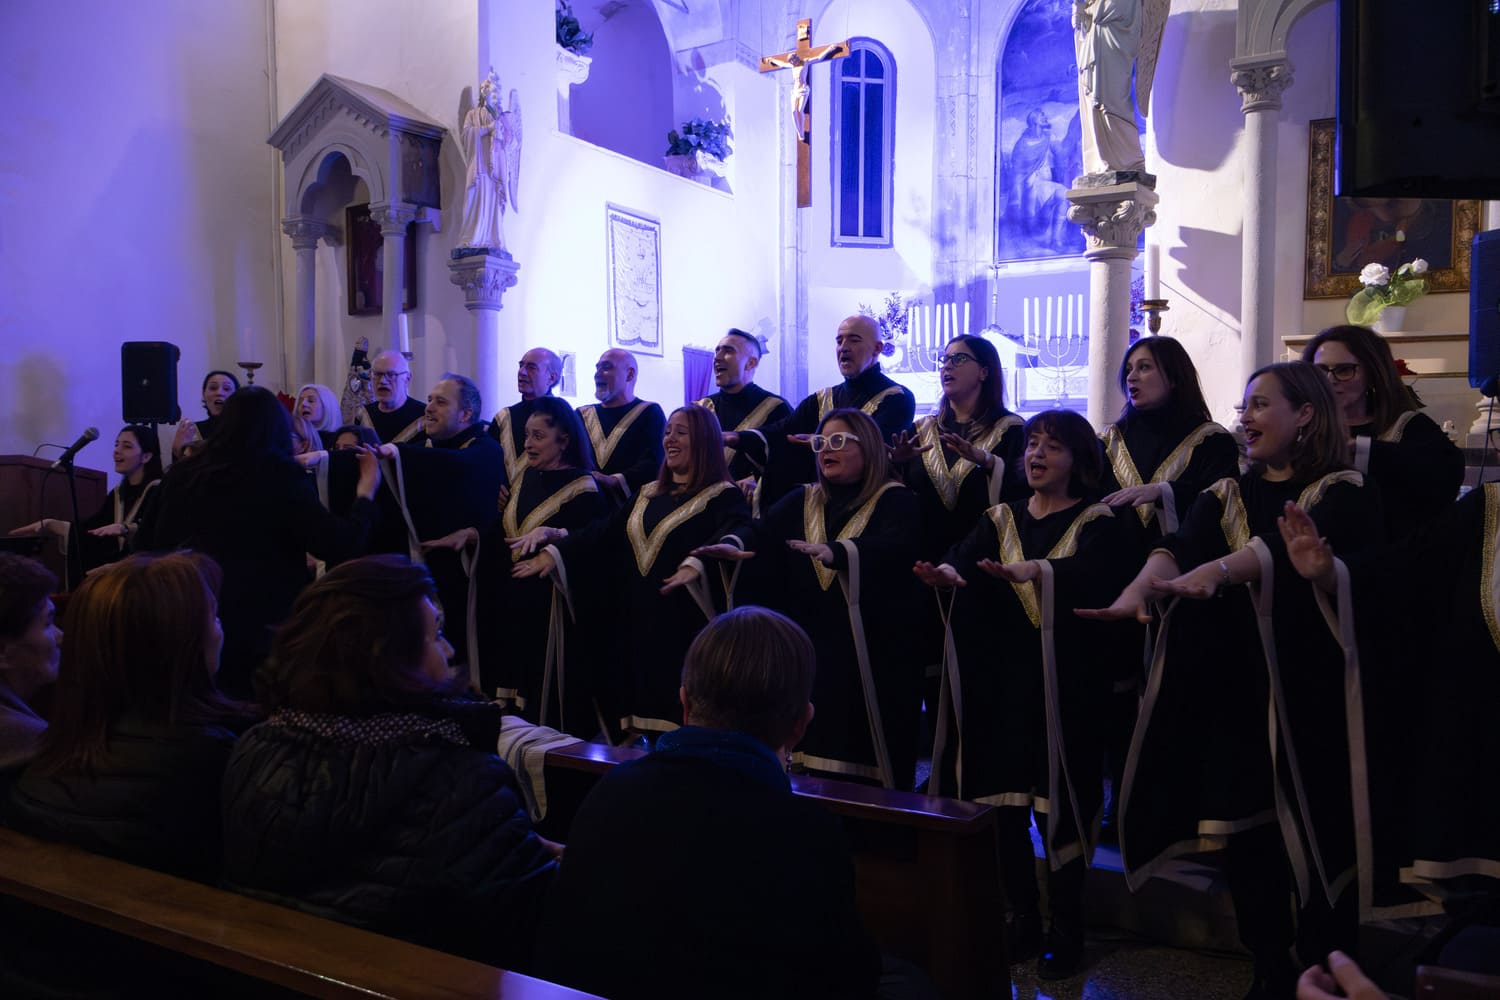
(492, 149)
(1112, 37)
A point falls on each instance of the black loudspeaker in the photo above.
(148, 382)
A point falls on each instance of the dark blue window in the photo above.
(864, 113)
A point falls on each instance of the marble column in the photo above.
(1112, 217)
(1260, 82)
(305, 234)
(484, 275)
(393, 218)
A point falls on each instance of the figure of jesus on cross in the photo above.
(801, 60)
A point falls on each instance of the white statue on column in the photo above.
(1111, 38)
(492, 149)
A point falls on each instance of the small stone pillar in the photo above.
(393, 218)
(484, 274)
(305, 234)
(1112, 209)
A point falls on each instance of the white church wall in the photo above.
(843, 277)
(137, 202)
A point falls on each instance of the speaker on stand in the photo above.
(148, 382)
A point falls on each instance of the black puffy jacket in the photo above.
(405, 824)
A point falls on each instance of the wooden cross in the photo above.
(801, 59)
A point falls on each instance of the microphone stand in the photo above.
(74, 565)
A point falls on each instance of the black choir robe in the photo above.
(890, 403)
(523, 622)
(398, 426)
(746, 410)
(869, 585)
(952, 492)
(1414, 466)
(1201, 759)
(129, 505)
(613, 570)
(1024, 688)
(626, 440)
(1151, 447)
(509, 430)
(443, 486)
(1424, 614)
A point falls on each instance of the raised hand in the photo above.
(821, 551)
(938, 576)
(904, 447)
(1309, 554)
(965, 448)
(369, 470)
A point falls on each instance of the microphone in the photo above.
(66, 458)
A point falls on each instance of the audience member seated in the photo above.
(373, 794)
(244, 501)
(29, 645)
(750, 889)
(132, 762)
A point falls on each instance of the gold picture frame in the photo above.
(1344, 234)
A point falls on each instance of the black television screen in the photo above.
(1418, 99)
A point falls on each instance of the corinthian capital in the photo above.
(305, 233)
(1261, 84)
(393, 217)
(1112, 218)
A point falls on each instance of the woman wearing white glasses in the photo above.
(832, 556)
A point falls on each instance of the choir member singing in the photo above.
(624, 432)
(537, 374)
(395, 416)
(740, 404)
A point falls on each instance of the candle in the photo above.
(966, 317)
(1068, 330)
(1050, 301)
(1153, 271)
(244, 346)
(1025, 321)
(403, 335)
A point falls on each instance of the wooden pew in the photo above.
(255, 939)
(928, 881)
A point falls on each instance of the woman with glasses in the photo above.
(1404, 453)
(632, 578)
(1205, 771)
(1022, 691)
(832, 556)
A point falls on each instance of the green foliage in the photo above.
(712, 137)
(570, 34)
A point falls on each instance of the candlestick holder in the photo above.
(1153, 308)
(249, 367)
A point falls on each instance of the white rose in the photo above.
(1375, 274)
(1419, 266)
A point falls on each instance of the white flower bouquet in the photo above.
(1381, 288)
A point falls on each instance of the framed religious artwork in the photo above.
(634, 243)
(366, 263)
(1345, 234)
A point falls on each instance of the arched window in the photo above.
(863, 130)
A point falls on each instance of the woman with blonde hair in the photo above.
(319, 404)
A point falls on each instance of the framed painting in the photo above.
(365, 253)
(634, 243)
(1345, 234)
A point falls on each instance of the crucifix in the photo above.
(801, 60)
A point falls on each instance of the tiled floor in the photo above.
(1124, 970)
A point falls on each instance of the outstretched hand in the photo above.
(722, 550)
(964, 448)
(1017, 572)
(904, 447)
(821, 551)
(1310, 554)
(1197, 584)
(938, 576)
(457, 541)
(684, 576)
(1134, 496)
(800, 439)
(1134, 602)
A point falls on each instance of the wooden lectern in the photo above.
(30, 490)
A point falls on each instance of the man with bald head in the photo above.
(538, 375)
(740, 404)
(394, 416)
(783, 447)
(625, 432)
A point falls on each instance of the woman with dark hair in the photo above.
(1407, 456)
(30, 642)
(1022, 692)
(965, 458)
(244, 501)
(522, 663)
(831, 556)
(350, 436)
(1164, 450)
(372, 794)
(131, 763)
(1222, 668)
(645, 550)
(111, 532)
(218, 386)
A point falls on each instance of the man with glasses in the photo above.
(538, 374)
(782, 447)
(740, 404)
(394, 416)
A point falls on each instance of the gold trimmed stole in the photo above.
(646, 545)
(946, 478)
(604, 446)
(1126, 474)
(825, 400)
(515, 526)
(1011, 551)
(815, 529)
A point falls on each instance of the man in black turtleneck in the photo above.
(740, 404)
(539, 372)
(782, 447)
(450, 477)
